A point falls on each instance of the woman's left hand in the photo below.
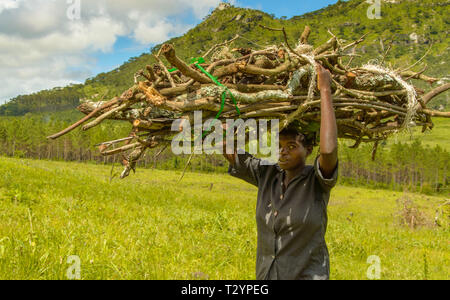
(324, 77)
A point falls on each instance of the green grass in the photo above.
(439, 135)
(149, 226)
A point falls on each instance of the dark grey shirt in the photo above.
(291, 223)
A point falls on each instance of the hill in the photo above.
(410, 26)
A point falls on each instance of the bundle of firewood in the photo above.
(279, 82)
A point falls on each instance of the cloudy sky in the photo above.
(50, 43)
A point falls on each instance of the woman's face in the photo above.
(292, 152)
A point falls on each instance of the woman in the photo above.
(291, 210)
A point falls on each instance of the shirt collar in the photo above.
(304, 172)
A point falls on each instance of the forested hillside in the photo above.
(407, 28)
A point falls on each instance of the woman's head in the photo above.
(294, 148)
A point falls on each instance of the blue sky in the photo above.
(46, 44)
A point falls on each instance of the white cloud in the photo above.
(8, 4)
(201, 7)
(157, 32)
(40, 47)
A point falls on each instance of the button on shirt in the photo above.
(291, 221)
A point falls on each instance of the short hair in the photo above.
(293, 131)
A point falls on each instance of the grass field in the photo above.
(149, 226)
(439, 135)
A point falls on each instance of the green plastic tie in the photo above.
(197, 62)
(200, 60)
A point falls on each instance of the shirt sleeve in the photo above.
(247, 168)
(326, 184)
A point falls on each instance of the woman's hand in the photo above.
(323, 78)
